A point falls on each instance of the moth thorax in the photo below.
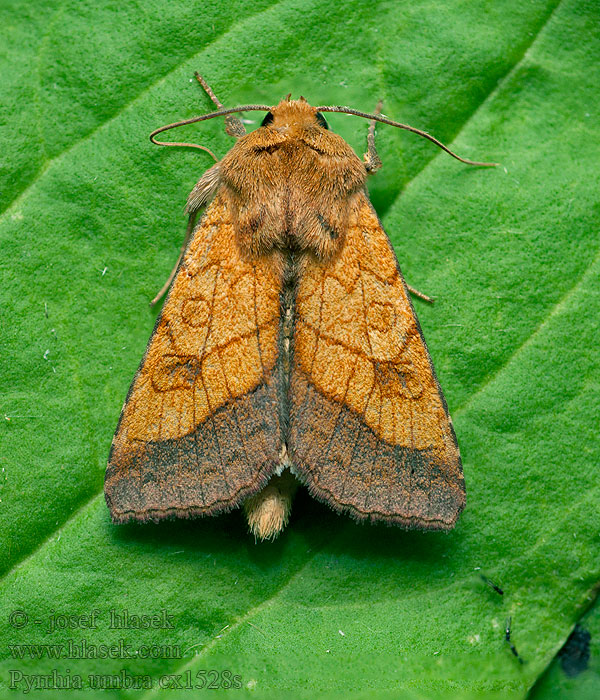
(303, 224)
(293, 195)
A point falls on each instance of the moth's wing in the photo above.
(369, 427)
(199, 430)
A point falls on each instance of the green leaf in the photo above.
(91, 224)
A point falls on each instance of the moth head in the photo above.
(291, 115)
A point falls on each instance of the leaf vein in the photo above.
(47, 164)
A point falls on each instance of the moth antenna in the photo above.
(385, 120)
(201, 118)
(184, 143)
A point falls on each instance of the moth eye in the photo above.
(268, 119)
(321, 120)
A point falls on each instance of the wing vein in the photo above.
(342, 404)
(357, 435)
(377, 444)
(210, 408)
(260, 357)
(235, 413)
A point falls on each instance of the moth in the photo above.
(288, 350)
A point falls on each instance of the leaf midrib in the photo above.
(456, 582)
(47, 164)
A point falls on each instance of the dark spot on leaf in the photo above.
(575, 654)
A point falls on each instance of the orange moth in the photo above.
(287, 350)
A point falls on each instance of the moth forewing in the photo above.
(370, 432)
(199, 431)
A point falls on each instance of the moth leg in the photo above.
(372, 163)
(371, 157)
(188, 234)
(268, 511)
(419, 294)
(233, 124)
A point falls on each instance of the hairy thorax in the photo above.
(298, 193)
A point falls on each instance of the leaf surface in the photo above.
(90, 226)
